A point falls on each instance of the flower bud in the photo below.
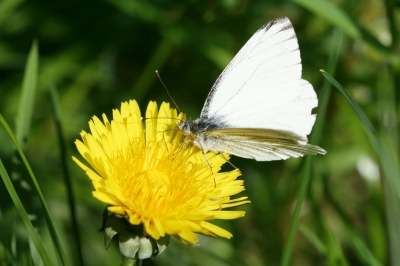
(132, 242)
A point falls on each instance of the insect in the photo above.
(259, 107)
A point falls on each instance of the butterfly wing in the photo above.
(262, 85)
(259, 144)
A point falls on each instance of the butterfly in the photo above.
(259, 107)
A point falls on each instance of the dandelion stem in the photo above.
(131, 262)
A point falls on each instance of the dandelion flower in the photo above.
(152, 177)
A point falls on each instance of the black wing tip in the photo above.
(281, 20)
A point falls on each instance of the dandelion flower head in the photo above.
(150, 176)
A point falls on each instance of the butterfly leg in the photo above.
(163, 135)
(229, 162)
(204, 155)
(209, 165)
(180, 149)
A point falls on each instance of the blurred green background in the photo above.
(100, 53)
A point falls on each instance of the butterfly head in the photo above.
(187, 127)
(192, 131)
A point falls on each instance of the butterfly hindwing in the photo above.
(258, 144)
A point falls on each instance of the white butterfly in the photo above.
(259, 107)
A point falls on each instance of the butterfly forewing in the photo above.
(262, 86)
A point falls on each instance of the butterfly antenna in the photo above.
(159, 77)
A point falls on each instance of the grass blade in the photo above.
(363, 252)
(334, 251)
(23, 214)
(387, 160)
(359, 246)
(304, 184)
(392, 132)
(314, 139)
(46, 211)
(335, 254)
(29, 85)
(336, 16)
(317, 243)
(63, 158)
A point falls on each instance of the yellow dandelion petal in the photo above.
(81, 165)
(216, 229)
(188, 237)
(117, 210)
(125, 110)
(97, 181)
(154, 178)
(151, 122)
(152, 229)
(234, 204)
(227, 215)
(97, 128)
(117, 115)
(106, 122)
(134, 127)
(107, 148)
(82, 146)
(119, 136)
(166, 125)
(94, 131)
(134, 107)
(159, 226)
(231, 191)
(134, 218)
(105, 197)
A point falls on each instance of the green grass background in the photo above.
(95, 54)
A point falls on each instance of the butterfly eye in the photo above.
(184, 126)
